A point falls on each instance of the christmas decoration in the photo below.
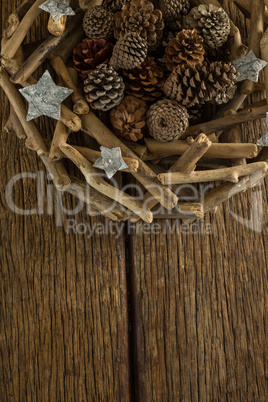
(90, 53)
(174, 10)
(145, 81)
(167, 120)
(141, 17)
(111, 161)
(186, 47)
(128, 118)
(98, 23)
(221, 81)
(104, 88)
(249, 67)
(211, 22)
(45, 98)
(57, 8)
(114, 5)
(129, 51)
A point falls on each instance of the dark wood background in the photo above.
(166, 316)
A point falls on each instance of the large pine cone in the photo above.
(192, 85)
(91, 53)
(128, 118)
(145, 81)
(129, 51)
(98, 23)
(211, 22)
(167, 120)
(174, 10)
(104, 88)
(114, 5)
(187, 48)
(141, 17)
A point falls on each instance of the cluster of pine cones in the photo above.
(153, 65)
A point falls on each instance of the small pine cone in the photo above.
(187, 48)
(211, 22)
(98, 23)
(91, 53)
(104, 88)
(141, 17)
(128, 118)
(174, 10)
(167, 120)
(114, 5)
(129, 51)
(145, 81)
(221, 81)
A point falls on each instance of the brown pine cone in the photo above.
(91, 53)
(129, 51)
(114, 5)
(211, 22)
(174, 10)
(187, 48)
(167, 120)
(104, 88)
(221, 81)
(128, 118)
(141, 17)
(98, 23)
(145, 81)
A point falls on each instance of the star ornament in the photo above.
(263, 141)
(110, 161)
(45, 98)
(249, 67)
(57, 8)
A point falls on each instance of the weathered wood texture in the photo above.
(199, 303)
(63, 298)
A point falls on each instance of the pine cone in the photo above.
(104, 88)
(114, 5)
(221, 81)
(129, 51)
(91, 53)
(174, 10)
(145, 81)
(187, 48)
(211, 22)
(98, 23)
(141, 17)
(128, 118)
(167, 120)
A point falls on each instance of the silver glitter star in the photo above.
(45, 98)
(263, 141)
(57, 8)
(249, 67)
(111, 161)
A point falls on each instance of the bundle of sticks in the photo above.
(158, 167)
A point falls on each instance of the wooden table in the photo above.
(166, 316)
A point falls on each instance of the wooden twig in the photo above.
(57, 28)
(224, 123)
(43, 51)
(140, 150)
(60, 136)
(96, 129)
(11, 46)
(94, 179)
(13, 125)
(245, 6)
(15, 18)
(65, 49)
(216, 150)
(256, 32)
(264, 56)
(92, 156)
(80, 105)
(233, 104)
(184, 211)
(231, 174)
(57, 172)
(235, 136)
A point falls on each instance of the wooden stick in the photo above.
(185, 211)
(57, 172)
(96, 181)
(12, 45)
(15, 18)
(57, 28)
(43, 51)
(65, 49)
(92, 156)
(235, 136)
(80, 105)
(216, 150)
(224, 123)
(256, 32)
(60, 136)
(264, 56)
(140, 150)
(95, 128)
(233, 104)
(228, 174)
(246, 7)
(13, 125)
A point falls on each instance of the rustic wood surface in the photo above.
(196, 304)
